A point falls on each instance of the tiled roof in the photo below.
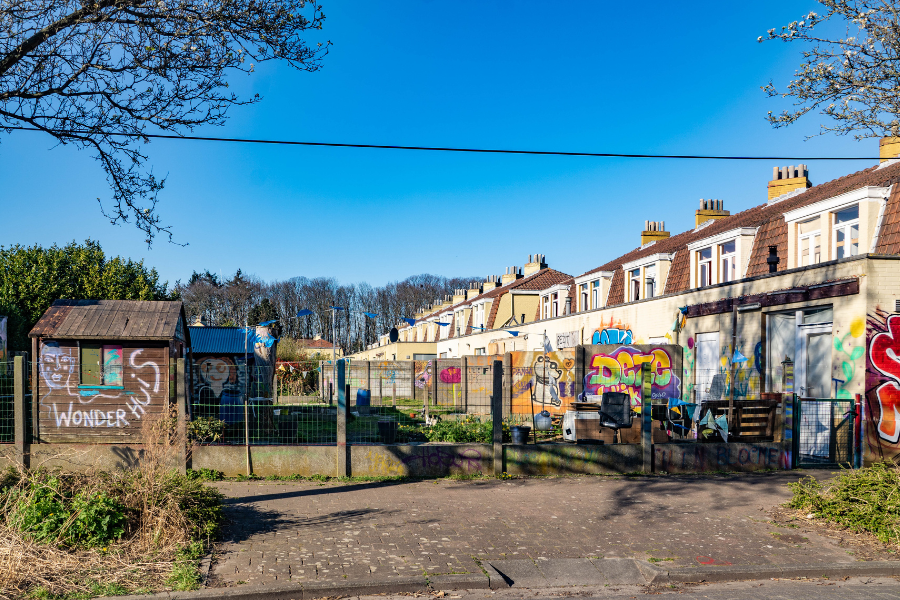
(110, 319)
(772, 231)
(536, 281)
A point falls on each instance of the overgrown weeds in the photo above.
(66, 535)
(862, 500)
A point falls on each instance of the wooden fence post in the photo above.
(181, 398)
(20, 423)
(497, 417)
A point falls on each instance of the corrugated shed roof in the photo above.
(110, 319)
(219, 340)
(772, 231)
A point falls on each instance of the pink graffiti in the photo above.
(451, 375)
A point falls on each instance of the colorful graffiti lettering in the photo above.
(613, 335)
(451, 375)
(884, 356)
(620, 371)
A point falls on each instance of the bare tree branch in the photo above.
(100, 73)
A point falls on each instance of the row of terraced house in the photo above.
(802, 291)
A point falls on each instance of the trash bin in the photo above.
(363, 397)
(387, 431)
(520, 434)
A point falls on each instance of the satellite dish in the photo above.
(394, 335)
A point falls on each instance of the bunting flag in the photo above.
(337, 308)
(410, 321)
(267, 323)
(513, 333)
(722, 426)
(547, 347)
(370, 315)
(304, 312)
(738, 357)
(442, 324)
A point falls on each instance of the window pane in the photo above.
(90, 365)
(704, 275)
(112, 365)
(816, 250)
(780, 332)
(804, 252)
(705, 254)
(636, 273)
(824, 314)
(650, 271)
(845, 215)
(809, 226)
(728, 247)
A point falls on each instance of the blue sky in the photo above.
(575, 76)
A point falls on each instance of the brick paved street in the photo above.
(351, 531)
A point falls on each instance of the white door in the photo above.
(815, 382)
(706, 367)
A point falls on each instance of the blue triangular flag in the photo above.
(738, 357)
(370, 315)
(410, 321)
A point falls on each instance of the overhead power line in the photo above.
(447, 149)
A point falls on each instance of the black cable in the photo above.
(443, 149)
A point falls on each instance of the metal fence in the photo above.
(823, 433)
(7, 400)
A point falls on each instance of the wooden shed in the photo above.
(103, 366)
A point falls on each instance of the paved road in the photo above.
(352, 531)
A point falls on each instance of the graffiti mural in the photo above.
(851, 353)
(883, 384)
(423, 374)
(68, 404)
(543, 381)
(219, 384)
(618, 369)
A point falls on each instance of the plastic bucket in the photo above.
(520, 434)
(363, 397)
(387, 431)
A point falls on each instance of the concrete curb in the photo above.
(749, 573)
(312, 590)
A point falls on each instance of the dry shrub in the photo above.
(95, 532)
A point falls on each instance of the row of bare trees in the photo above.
(240, 299)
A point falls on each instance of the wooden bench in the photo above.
(754, 420)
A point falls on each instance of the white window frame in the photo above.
(584, 296)
(634, 286)
(595, 294)
(743, 238)
(845, 229)
(705, 264)
(650, 281)
(728, 261)
(809, 238)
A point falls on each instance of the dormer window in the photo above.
(846, 232)
(810, 242)
(595, 294)
(650, 281)
(728, 252)
(704, 265)
(635, 284)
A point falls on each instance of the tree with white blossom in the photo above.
(853, 78)
(100, 74)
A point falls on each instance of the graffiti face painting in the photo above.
(884, 354)
(57, 365)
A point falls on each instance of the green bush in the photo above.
(206, 429)
(467, 431)
(47, 513)
(862, 500)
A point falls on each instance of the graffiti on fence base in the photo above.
(671, 458)
(451, 375)
(619, 370)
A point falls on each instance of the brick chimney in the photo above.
(710, 210)
(491, 282)
(889, 148)
(459, 296)
(474, 290)
(535, 263)
(512, 273)
(788, 179)
(654, 231)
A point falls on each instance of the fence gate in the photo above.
(823, 432)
